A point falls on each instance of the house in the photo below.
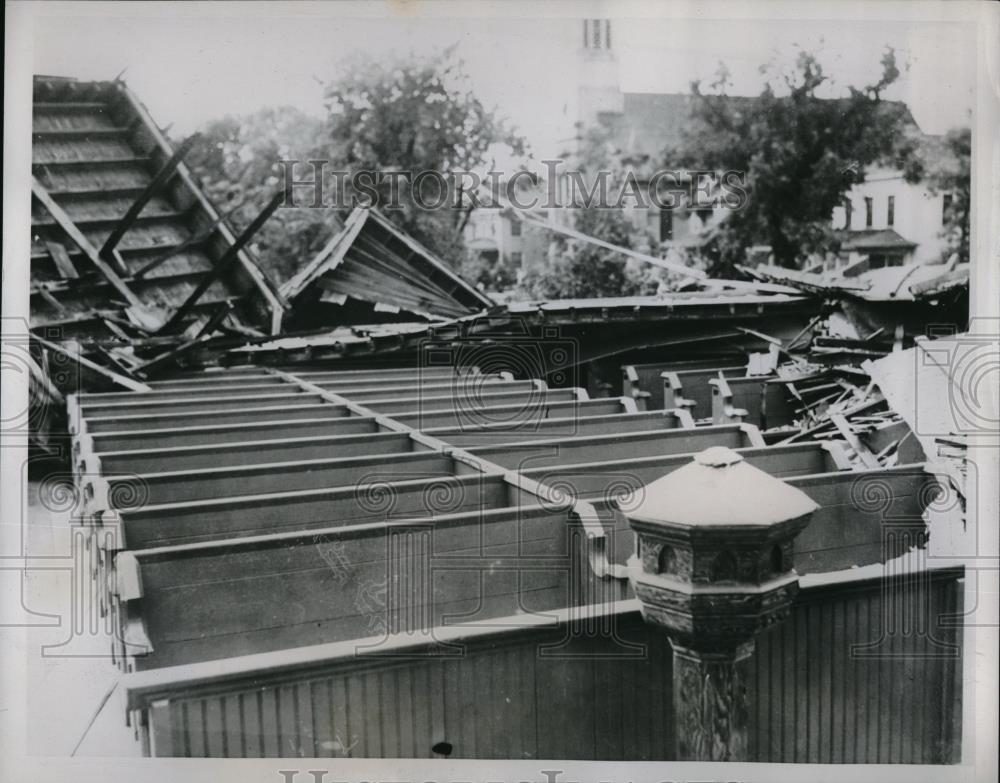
(504, 241)
(891, 222)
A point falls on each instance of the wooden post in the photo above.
(713, 571)
(711, 706)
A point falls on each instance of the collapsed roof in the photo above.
(912, 282)
(372, 263)
(122, 236)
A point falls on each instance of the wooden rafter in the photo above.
(39, 191)
(108, 250)
(228, 260)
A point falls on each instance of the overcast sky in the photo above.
(189, 69)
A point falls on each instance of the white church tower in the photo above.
(599, 89)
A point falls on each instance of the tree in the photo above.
(800, 153)
(944, 164)
(409, 115)
(237, 160)
(414, 116)
(579, 269)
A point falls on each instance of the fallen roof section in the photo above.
(373, 262)
(909, 283)
(700, 319)
(121, 233)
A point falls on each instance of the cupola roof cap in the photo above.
(719, 488)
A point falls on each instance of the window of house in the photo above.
(848, 213)
(607, 33)
(515, 259)
(595, 25)
(869, 211)
(515, 228)
(891, 211)
(666, 224)
(945, 206)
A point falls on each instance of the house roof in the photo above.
(875, 239)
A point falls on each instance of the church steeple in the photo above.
(597, 34)
(599, 91)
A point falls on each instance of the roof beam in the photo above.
(64, 221)
(227, 261)
(108, 251)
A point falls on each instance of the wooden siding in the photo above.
(818, 695)
(845, 680)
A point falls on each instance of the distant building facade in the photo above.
(891, 222)
(885, 220)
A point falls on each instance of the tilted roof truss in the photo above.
(371, 260)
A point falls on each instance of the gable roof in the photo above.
(875, 239)
(372, 261)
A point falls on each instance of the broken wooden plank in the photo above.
(121, 380)
(43, 291)
(62, 260)
(868, 459)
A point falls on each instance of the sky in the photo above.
(190, 68)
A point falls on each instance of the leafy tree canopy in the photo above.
(414, 116)
(238, 159)
(801, 154)
(408, 115)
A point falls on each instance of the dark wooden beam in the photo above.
(39, 191)
(62, 261)
(108, 251)
(228, 259)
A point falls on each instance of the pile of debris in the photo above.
(887, 298)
